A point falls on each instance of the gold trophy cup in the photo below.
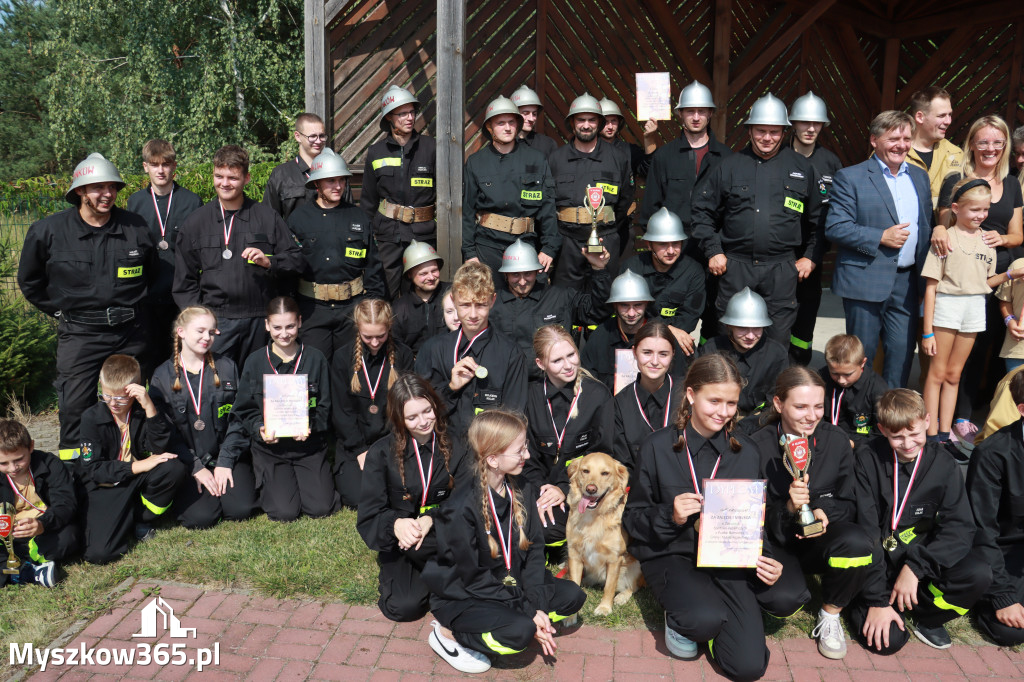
(797, 460)
(595, 199)
(6, 533)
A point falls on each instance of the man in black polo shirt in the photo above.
(286, 187)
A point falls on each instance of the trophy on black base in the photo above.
(797, 459)
(13, 566)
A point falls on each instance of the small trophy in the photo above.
(6, 528)
(797, 459)
(595, 197)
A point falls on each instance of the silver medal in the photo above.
(226, 255)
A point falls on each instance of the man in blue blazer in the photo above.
(880, 214)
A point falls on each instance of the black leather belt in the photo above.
(906, 269)
(108, 317)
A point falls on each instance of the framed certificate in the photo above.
(731, 523)
(286, 404)
(653, 96)
(626, 370)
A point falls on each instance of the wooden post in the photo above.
(451, 123)
(890, 73)
(720, 66)
(540, 84)
(316, 61)
(1013, 92)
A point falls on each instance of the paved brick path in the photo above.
(265, 639)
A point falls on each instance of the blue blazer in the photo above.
(860, 210)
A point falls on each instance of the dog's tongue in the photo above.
(584, 503)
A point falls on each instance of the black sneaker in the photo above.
(935, 637)
(144, 532)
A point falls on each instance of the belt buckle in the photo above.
(110, 322)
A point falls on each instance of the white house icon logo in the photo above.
(158, 607)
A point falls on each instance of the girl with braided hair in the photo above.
(662, 516)
(408, 478)
(195, 389)
(362, 372)
(491, 592)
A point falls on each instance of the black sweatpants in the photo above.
(299, 483)
(54, 545)
(403, 595)
(327, 325)
(1004, 635)
(808, 300)
(113, 511)
(81, 351)
(239, 337)
(572, 269)
(348, 476)
(842, 556)
(493, 627)
(939, 601)
(200, 509)
(717, 606)
(774, 281)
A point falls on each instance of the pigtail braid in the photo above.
(357, 364)
(391, 361)
(176, 356)
(213, 366)
(485, 511)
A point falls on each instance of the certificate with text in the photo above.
(286, 404)
(626, 370)
(653, 96)
(731, 523)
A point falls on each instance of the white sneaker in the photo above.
(457, 656)
(678, 645)
(831, 638)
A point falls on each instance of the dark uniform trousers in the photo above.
(200, 509)
(403, 595)
(113, 511)
(50, 546)
(774, 280)
(717, 607)
(1005, 635)
(240, 336)
(939, 601)
(294, 483)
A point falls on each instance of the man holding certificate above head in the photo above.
(716, 602)
(751, 216)
(593, 191)
(530, 108)
(475, 368)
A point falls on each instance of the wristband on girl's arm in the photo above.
(928, 336)
(1008, 319)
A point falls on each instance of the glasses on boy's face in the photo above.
(115, 399)
(315, 138)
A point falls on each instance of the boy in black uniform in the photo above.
(91, 266)
(42, 493)
(287, 188)
(475, 368)
(676, 281)
(611, 343)
(995, 488)
(164, 205)
(588, 161)
(526, 305)
(398, 184)
(130, 476)
(342, 265)
(911, 499)
(530, 108)
(418, 313)
(759, 358)
(808, 116)
(229, 256)
(852, 389)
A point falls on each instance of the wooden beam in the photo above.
(720, 82)
(540, 59)
(1007, 12)
(316, 59)
(451, 114)
(778, 46)
(890, 72)
(859, 66)
(869, 22)
(956, 43)
(1013, 92)
(676, 39)
(805, 50)
(332, 8)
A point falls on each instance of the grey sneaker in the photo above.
(831, 638)
(935, 637)
(679, 646)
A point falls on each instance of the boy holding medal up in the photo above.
(910, 495)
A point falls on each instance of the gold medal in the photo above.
(509, 581)
(481, 372)
(890, 543)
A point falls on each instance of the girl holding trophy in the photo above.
(810, 521)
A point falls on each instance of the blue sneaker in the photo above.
(45, 573)
(679, 646)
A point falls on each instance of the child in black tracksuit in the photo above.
(409, 476)
(852, 389)
(491, 593)
(130, 475)
(45, 512)
(195, 390)
(714, 605)
(911, 500)
(292, 474)
(995, 487)
(362, 372)
(841, 551)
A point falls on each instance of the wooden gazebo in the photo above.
(861, 56)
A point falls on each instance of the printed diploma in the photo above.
(731, 523)
(286, 404)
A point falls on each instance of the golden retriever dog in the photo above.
(594, 536)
